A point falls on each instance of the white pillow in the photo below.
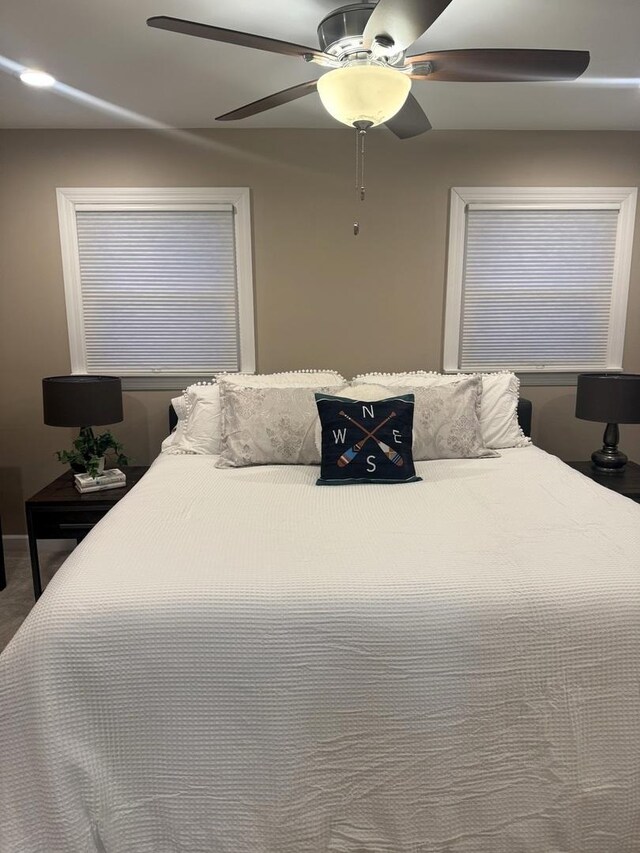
(288, 379)
(180, 408)
(365, 391)
(499, 411)
(498, 408)
(199, 432)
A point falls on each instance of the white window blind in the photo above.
(537, 288)
(538, 278)
(158, 282)
(158, 291)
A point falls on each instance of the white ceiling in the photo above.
(109, 61)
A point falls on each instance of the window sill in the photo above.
(529, 380)
(161, 383)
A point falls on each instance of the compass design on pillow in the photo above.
(350, 454)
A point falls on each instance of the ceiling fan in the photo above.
(365, 45)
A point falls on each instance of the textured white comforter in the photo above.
(240, 662)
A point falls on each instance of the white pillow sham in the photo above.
(498, 408)
(198, 432)
(180, 408)
(287, 379)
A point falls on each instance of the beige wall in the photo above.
(323, 297)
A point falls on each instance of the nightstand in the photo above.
(626, 483)
(59, 511)
(3, 576)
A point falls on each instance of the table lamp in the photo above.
(611, 398)
(81, 401)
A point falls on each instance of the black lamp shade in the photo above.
(609, 397)
(77, 401)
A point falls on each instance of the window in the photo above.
(158, 282)
(538, 278)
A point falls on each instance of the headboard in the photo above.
(525, 410)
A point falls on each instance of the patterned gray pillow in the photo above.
(446, 421)
(269, 426)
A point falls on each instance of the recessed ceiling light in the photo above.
(40, 79)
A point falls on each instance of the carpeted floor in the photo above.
(16, 600)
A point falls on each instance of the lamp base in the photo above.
(609, 460)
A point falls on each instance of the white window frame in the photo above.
(73, 199)
(553, 198)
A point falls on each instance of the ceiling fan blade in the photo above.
(500, 66)
(205, 31)
(410, 121)
(404, 21)
(271, 101)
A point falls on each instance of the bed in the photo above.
(237, 661)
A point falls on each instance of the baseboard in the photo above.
(18, 544)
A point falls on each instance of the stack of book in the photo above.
(111, 479)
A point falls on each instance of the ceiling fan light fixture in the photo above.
(363, 93)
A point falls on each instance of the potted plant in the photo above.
(89, 452)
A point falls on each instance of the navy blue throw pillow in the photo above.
(366, 442)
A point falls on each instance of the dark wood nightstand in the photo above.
(626, 483)
(59, 511)
(3, 576)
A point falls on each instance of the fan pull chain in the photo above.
(356, 224)
(361, 133)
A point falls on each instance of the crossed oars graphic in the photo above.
(350, 454)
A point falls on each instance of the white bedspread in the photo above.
(237, 661)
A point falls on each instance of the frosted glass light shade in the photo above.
(371, 93)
